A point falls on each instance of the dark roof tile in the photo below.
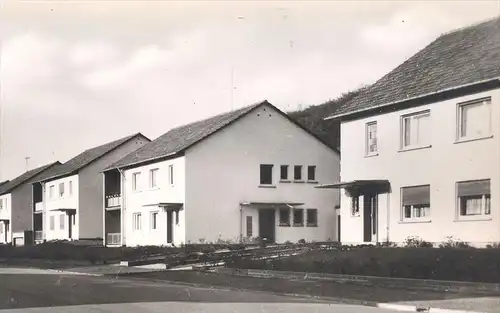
(26, 177)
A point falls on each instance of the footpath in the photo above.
(401, 295)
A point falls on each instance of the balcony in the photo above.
(39, 235)
(113, 201)
(39, 207)
(113, 238)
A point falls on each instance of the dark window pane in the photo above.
(312, 217)
(297, 172)
(284, 217)
(298, 217)
(311, 172)
(284, 172)
(266, 174)
(249, 226)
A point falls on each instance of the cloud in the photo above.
(93, 54)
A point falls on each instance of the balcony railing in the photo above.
(39, 235)
(113, 201)
(113, 238)
(38, 206)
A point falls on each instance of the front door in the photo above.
(370, 217)
(170, 225)
(267, 224)
(70, 225)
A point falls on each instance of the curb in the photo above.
(73, 273)
(413, 308)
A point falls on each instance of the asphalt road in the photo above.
(41, 291)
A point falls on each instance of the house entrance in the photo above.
(267, 224)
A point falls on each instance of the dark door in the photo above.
(70, 225)
(369, 217)
(338, 228)
(267, 224)
(170, 226)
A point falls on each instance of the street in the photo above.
(41, 291)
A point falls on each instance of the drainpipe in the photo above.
(388, 215)
(241, 224)
(122, 215)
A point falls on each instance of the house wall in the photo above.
(57, 202)
(91, 189)
(6, 213)
(22, 208)
(441, 165)
(224, 171)
(144, 199)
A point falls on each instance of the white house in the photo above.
(70, 195)
(5, 218)
(233, 177)
(421, 147)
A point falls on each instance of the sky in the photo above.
(77, 74)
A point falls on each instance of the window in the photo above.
(285, 217)
(154, 220)
(416, 202)
(52, 222)
(70, 187)
(355, 206)
(312, 217)
(297, 172)
(415, 130)
(284, 172)
(311, 173)
(62, 217)
(176, 217)
(371, 138)
(61, 190)
(266, 174)
(298, 217)
(249, 226)
(135, 181)
(73, 219)
(152, 178)
(474, 198)
(51, 192)
(171, 174)
(137, 221)
(474, 119)
(1, 204)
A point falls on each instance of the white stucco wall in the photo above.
(141, 201)
(224, 170)
(6, 213)
(441, 165)
(68, 201)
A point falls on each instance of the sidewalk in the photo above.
(483, 304)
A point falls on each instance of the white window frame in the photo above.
(415, 207)
(368, 132)
(484, 101)
(51, 191)
(151, 219)
(70, 188)
(62, 221)
(153, 178)
(1, 204)
(52, 222)
(410, 116)
(137, 221)
(136, 177)
(485, 204)
(171, 174)
(61, 190)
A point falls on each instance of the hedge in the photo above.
(456, 264)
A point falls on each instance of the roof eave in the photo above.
(338, 116)
(135, 164)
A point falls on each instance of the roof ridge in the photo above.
(469, 26)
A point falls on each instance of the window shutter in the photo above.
(473, 188)
(416, 195)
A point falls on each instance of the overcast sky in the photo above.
(76, 74)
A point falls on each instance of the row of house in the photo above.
(420, 157)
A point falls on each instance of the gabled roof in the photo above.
(26, 177)
(179, 139)
(85, 158)
(462, 57)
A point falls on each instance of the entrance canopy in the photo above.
(379, 185)
(168, 206)
(66, 210)
(263, 205)
(5, 221)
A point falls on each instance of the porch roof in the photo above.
(167, 205)
(67, 210)
(261, 204)
(5, 220)
(355, 183)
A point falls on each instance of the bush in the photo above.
(454, 243)
(461, 264)
(416, 242)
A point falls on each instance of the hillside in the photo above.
(313, 118)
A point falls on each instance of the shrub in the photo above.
(454, 243)
(416, 242)
(495, 245)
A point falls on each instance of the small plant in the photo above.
(417, 242)
(454, 243)
(495, 245)
(387, 243)
(302, 241)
